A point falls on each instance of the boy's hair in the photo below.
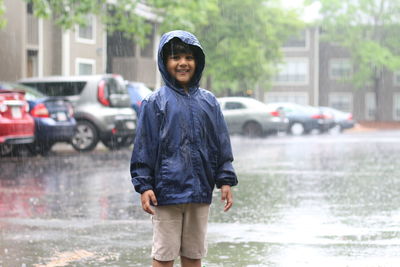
(176, 46)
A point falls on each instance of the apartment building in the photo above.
(336, 66)
(36, 47)
(314, 72)
(298, 78)
(133, 62)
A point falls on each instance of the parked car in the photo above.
(137, 92)
(303, 119)
(101, 107)
(343, 120)
(16, 125)
(54, 120)
(250, 117)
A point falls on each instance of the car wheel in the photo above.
(5, 149)
(252, 129)
(335, 129)
(39, 148)
(297, 128)
(85, 137)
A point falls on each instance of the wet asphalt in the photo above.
(320, 200)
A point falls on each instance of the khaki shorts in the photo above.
(180, 230)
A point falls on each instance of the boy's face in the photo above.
(182, 68)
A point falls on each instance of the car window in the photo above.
(116, 86)
(59, 88)
(286, 109)
(234, 105)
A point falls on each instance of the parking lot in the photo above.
(314, 200)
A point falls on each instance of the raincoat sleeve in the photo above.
(225, 173)
(144, 155)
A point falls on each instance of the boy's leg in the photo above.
(157, 263)
(186, 262)
(194, 232)
(167, 229)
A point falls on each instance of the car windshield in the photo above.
(143, 90)
(138, 88)
(252, 103)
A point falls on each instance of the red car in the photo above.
(16, 125)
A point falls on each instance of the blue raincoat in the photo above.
(182, 147)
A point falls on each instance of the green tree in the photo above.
(242, 38)
(369, 30)
(120, 16)
(243, 41)
(2, 11)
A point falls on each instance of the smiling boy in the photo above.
(181, 67)
(182, 151)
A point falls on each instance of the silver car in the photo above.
(250, 117)
(101, 104)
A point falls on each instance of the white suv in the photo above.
(101, 108)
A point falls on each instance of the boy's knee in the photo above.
(188, 262)
(157, 263)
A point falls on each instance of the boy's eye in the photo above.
(178, 57)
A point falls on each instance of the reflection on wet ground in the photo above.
(304, 201)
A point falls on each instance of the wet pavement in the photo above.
(301, 201)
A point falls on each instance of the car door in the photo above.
(234, 113)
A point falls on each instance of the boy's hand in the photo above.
(146, 197)
(227, 196)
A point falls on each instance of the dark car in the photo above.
(54, 121)
(303, 119)
(17, 127)
(343, 120)
(137, 92)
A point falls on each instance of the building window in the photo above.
(32, 63)
(396, 106)
(29, 8)
(293, 71)
(85, 66)
(370, 106)
(299, 41)
(86, 34)
(341, 101)
(293, 97)
(396, 76)
(340, 69)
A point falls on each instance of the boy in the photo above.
(181, 151)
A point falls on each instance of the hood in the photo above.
(187, 38)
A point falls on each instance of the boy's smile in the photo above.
(182, 68)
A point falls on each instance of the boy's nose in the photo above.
(183, 61)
